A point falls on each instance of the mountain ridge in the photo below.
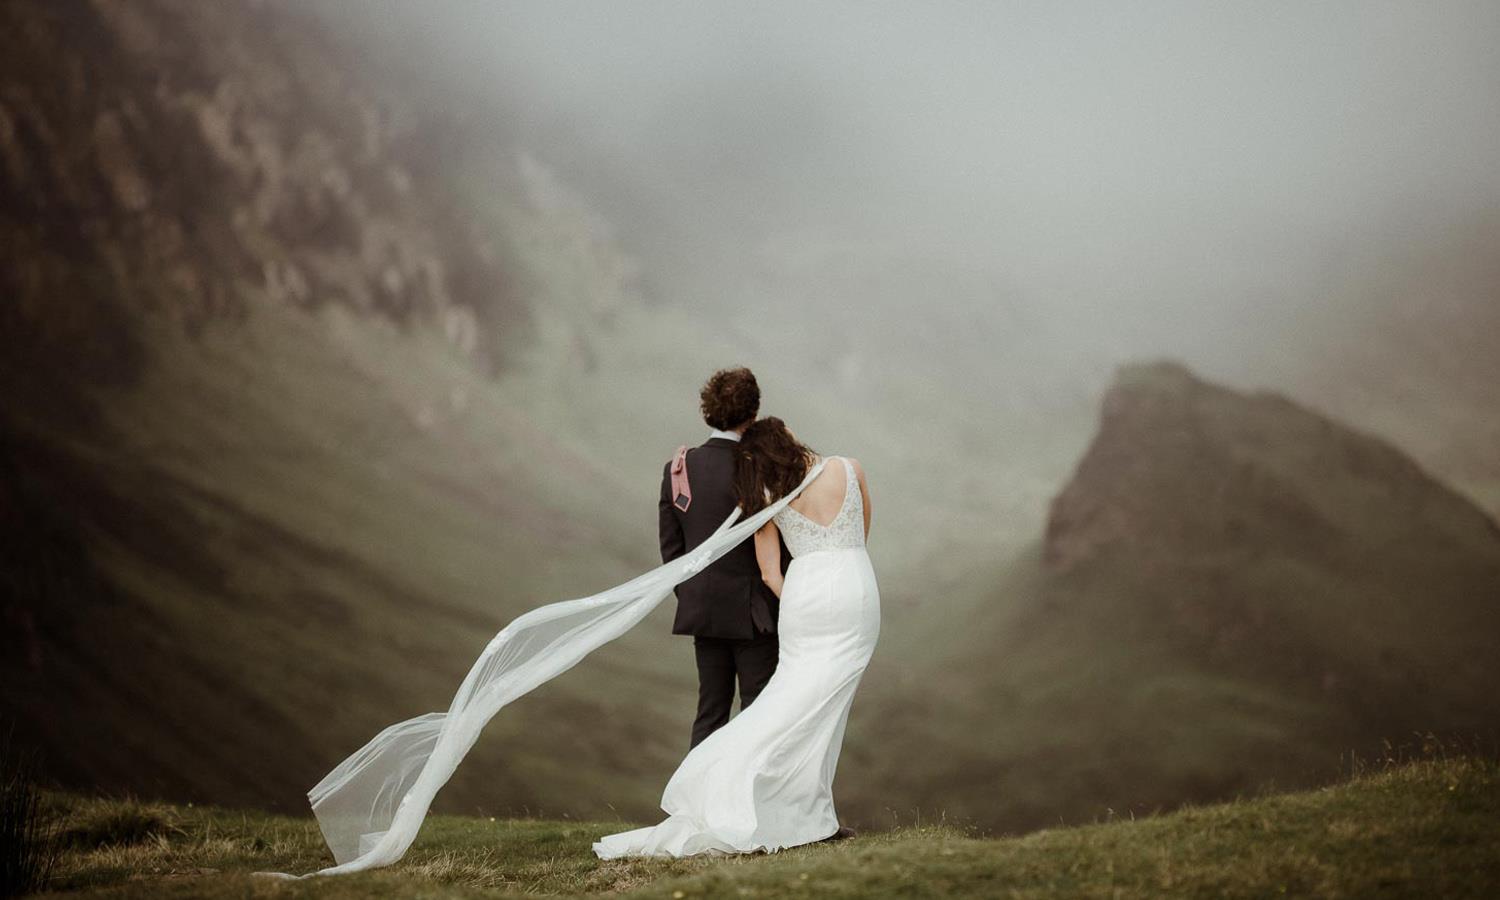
(1232, 591)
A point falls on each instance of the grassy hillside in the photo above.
(274, 583)
(261, 493)
(1423, 829)
(287, 534)
(288, 430)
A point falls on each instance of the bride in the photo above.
(764, 781)
(761, 782)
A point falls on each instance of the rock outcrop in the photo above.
(1184, 467)
(194, 159)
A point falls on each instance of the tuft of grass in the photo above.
(114, 826)
(27, 855)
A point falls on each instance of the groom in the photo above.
(727, 608)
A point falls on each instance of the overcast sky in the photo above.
(1176, 166)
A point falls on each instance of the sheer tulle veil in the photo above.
(372, 804)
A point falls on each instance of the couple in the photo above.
(761, 782)
(764, 781)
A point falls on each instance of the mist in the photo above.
(1174, 178)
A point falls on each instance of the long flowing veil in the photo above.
(371, 806)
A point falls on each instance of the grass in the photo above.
(27, 855)
(1418, 829)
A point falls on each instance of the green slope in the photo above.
(1422, 829)
(308, 388)
(293, 418)
(277, 580)
(266, 488)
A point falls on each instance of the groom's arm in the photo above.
(668, 528)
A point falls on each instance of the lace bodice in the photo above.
(847, 529)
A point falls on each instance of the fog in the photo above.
(963, 217)
(1181, 178)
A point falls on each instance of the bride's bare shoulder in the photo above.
(859, 473)
(830, 457)
(859, 470)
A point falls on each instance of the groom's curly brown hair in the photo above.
(730, 398)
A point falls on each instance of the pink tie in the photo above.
(682, 492)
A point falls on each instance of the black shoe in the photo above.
(843, 834)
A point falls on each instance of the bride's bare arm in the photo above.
(768, 555)
(864, 492)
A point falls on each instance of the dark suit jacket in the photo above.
(727, 599)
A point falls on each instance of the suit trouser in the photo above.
(720, 661)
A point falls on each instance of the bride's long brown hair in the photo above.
(768, 464)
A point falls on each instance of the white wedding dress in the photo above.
(764, 781)
(371, 806)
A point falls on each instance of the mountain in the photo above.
(1232, 591)
(263, 488)
(310, 386)
(164, 157)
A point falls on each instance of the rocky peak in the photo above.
(194, 159)
(1181, 467)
